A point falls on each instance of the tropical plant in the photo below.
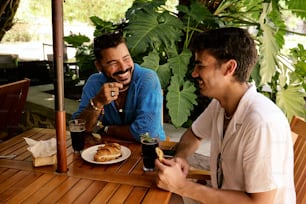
(159, 39)
(8, 10)
(274, 69)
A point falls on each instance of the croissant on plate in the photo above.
(108, 152)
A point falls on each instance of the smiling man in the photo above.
(124, 96)
(251, 159)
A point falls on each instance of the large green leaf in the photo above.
(269, 48)
(299, 59)
(151, 61)
(278, 25)
(297, 7)
(179, 62)
(152, 29)
(143, 5)
(102, 26)
(268, 51)
(164, 74)
(180, 100)
(197, 11)
(163, 71)
(299, 53)
(76, 40)
(291, 101)
(239, 13)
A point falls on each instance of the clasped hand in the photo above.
(171, 173)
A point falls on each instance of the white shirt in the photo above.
(257, 149)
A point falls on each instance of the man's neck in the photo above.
(232, 98)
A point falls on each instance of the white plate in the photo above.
(88, 155)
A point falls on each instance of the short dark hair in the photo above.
(107, 40)
(229, 43)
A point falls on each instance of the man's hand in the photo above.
(108, 92)
(172, 174)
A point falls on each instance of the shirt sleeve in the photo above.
(90, 89)
(148, 107)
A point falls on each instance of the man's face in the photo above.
(209, 74)
(117, 64)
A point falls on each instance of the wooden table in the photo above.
(123, 182)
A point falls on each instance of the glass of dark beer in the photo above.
(148, 153)
(77, 133)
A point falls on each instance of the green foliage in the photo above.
(103, 26)
(298, 81)
(162, 38)
(274, 69)
(149, 29)
(84, 54)
(163, 71)
(299, 57)
(146, 138)
(76, 40)
(297, 7)
(158, 39)
(8, 10)
(180, 99)
(291, 99)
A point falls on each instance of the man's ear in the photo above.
(98, 66)
(231, 66)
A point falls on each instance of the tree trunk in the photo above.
(8, 10)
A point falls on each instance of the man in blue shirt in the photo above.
(124, 96)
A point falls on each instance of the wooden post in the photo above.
(60, 114)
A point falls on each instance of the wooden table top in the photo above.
(123, 182)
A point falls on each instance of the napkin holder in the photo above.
(44, 161)
(43, 151)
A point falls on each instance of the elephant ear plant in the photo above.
(159, 39)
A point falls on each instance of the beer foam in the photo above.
(77, 129)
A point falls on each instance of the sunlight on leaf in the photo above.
(145, 30)
(268, 52)
(291, 101)
(297, 7)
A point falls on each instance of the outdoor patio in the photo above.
(40, 113)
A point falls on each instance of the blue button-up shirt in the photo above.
(143, 107)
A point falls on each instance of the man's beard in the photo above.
(111, 79)
(122, 72)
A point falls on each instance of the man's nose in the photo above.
(121, 66)
(194, 73)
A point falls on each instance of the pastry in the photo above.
(108, 152)
(160, 153)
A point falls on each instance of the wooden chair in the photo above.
(12, 101)
(298, 128)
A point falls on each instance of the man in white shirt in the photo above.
(251, 147)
